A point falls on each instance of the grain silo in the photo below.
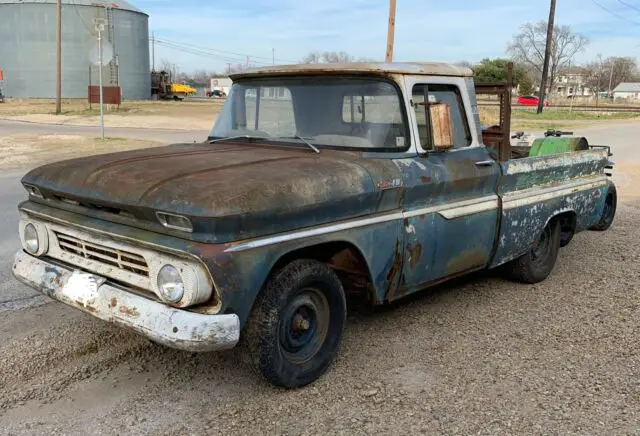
(28, 47)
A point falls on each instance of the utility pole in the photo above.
(100, 24)
(58, 57)
(610, 77)
(547, 55)
(391, 30)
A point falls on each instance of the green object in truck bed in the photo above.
(555, 144)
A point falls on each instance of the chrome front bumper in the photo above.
(92, 294)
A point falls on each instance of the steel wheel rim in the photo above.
(304, 325)
(542, 246)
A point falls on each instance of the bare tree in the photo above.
(528, 47)
(327, 57)
(464, 64)
(605, 75)
(166, 65)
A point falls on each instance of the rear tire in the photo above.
(608, 212)
(535, 265)
(296, 326)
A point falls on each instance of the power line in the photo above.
(199, 52)
(635, 8)
(228, 54)
(622, 17)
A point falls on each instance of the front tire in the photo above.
(536, 265)
(296, 326)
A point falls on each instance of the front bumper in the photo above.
(92, 294)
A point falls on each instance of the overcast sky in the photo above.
(426, 30)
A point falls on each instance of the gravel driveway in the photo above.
(478, 356)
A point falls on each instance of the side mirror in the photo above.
(441, 126)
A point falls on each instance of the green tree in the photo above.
(495, 71)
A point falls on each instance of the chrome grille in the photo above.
(121, 259)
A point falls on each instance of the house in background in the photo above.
(571, 82)
(627, 91)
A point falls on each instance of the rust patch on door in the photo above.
(396, 267)
(415, 254)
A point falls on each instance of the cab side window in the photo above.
(434, 94)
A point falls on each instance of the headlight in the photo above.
(34, 237)
(170, 284)
(30, 236)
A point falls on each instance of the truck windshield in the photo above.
(329, 112)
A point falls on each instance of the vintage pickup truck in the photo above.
(316, 182)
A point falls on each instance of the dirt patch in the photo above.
(20, 151)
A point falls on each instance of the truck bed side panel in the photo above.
(535, 189)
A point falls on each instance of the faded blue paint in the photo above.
(520, 226)
(435, 247)
(402, 256)
(536, 172)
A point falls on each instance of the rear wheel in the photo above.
(536, 265)
(608, 211)
(296, 325)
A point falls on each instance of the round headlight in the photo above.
(170, 284)
(31, 242)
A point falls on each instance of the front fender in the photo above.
(240, 274)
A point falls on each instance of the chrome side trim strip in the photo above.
(458, 208)
(530, 196)
(314, 232)
(448, 211)
(470, 209)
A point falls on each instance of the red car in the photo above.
(530, 100)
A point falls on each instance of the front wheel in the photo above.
(296, 326)
(535, 265)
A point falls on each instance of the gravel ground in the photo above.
(477, 356)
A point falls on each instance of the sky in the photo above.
(426, 30)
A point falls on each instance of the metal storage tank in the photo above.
(28, 48)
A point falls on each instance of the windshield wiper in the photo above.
(313, 147)
(228, 138)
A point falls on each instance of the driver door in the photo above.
(450, 204)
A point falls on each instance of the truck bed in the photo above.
(535, 189)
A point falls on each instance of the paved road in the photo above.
(162, 135)
(622, 137)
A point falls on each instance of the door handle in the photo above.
(485, 163)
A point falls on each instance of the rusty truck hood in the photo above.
(230, 191)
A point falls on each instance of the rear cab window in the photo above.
(440, 94)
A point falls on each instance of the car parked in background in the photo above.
(530, 100)
(216, 93)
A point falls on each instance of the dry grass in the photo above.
(21, 151)
(200, 115)
(182, 115)
(553, 119)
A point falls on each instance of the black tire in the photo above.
(608, 212)
(536, 265)
(566, 237)
(567, 229)
(296, 325)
